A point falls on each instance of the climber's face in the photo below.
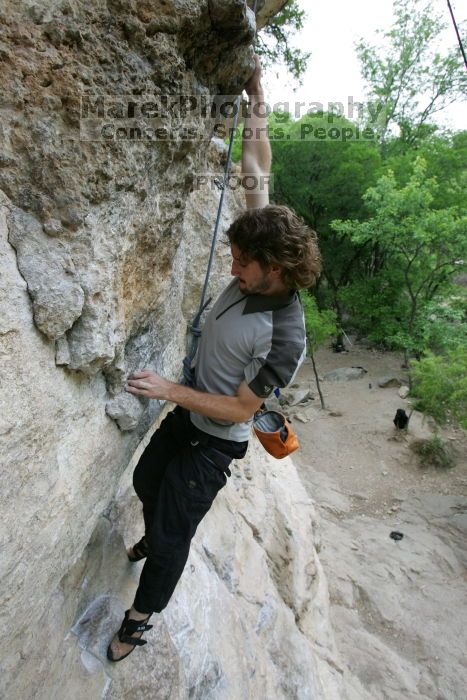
(252, 277)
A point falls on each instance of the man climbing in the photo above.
(253, 340)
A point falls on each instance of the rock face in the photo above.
(96, 220)
(103, 245)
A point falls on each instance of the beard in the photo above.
(259, 287)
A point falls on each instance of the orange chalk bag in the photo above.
(275, 433)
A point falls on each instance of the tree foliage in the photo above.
(446, 158)
(408, 75)
(391, 213)
(321, 178)
(274, 41)
(421, 249)
(319, 325)
(444, 325)
(325, 179)
(439, 382)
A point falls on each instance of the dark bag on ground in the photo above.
(275, 433)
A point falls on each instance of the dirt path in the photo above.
(398, 608)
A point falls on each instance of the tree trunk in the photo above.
(413, 312)
(406, 359)
(318, 386)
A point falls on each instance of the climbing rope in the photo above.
(457, 32)
(194, 327)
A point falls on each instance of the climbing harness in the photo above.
(194, 327)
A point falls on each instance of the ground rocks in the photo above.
(345, 374)
(396, 605)
(295, 394)
(389, 381)
(302, 417)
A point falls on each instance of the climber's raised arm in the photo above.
(256, 149)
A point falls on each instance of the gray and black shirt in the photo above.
(256, 338)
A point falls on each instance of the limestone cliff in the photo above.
(102, 254)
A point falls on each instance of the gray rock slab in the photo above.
(52, 279)
(293, 395)
(345, 374)
(302, 417)
(389, 381)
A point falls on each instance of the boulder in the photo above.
(295, 394)
(389, 381)
(345, 374)
(302, 417)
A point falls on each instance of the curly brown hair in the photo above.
(275, 235)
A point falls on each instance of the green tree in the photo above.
(274, 41)
(446, 158)
(408, 76)
(439, 382)
(320, 326)
(322, 178)
(422, 248)
(376, 307)
(325, 179)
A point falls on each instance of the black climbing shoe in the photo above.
(127, 628)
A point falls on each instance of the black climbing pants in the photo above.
(177, 478)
